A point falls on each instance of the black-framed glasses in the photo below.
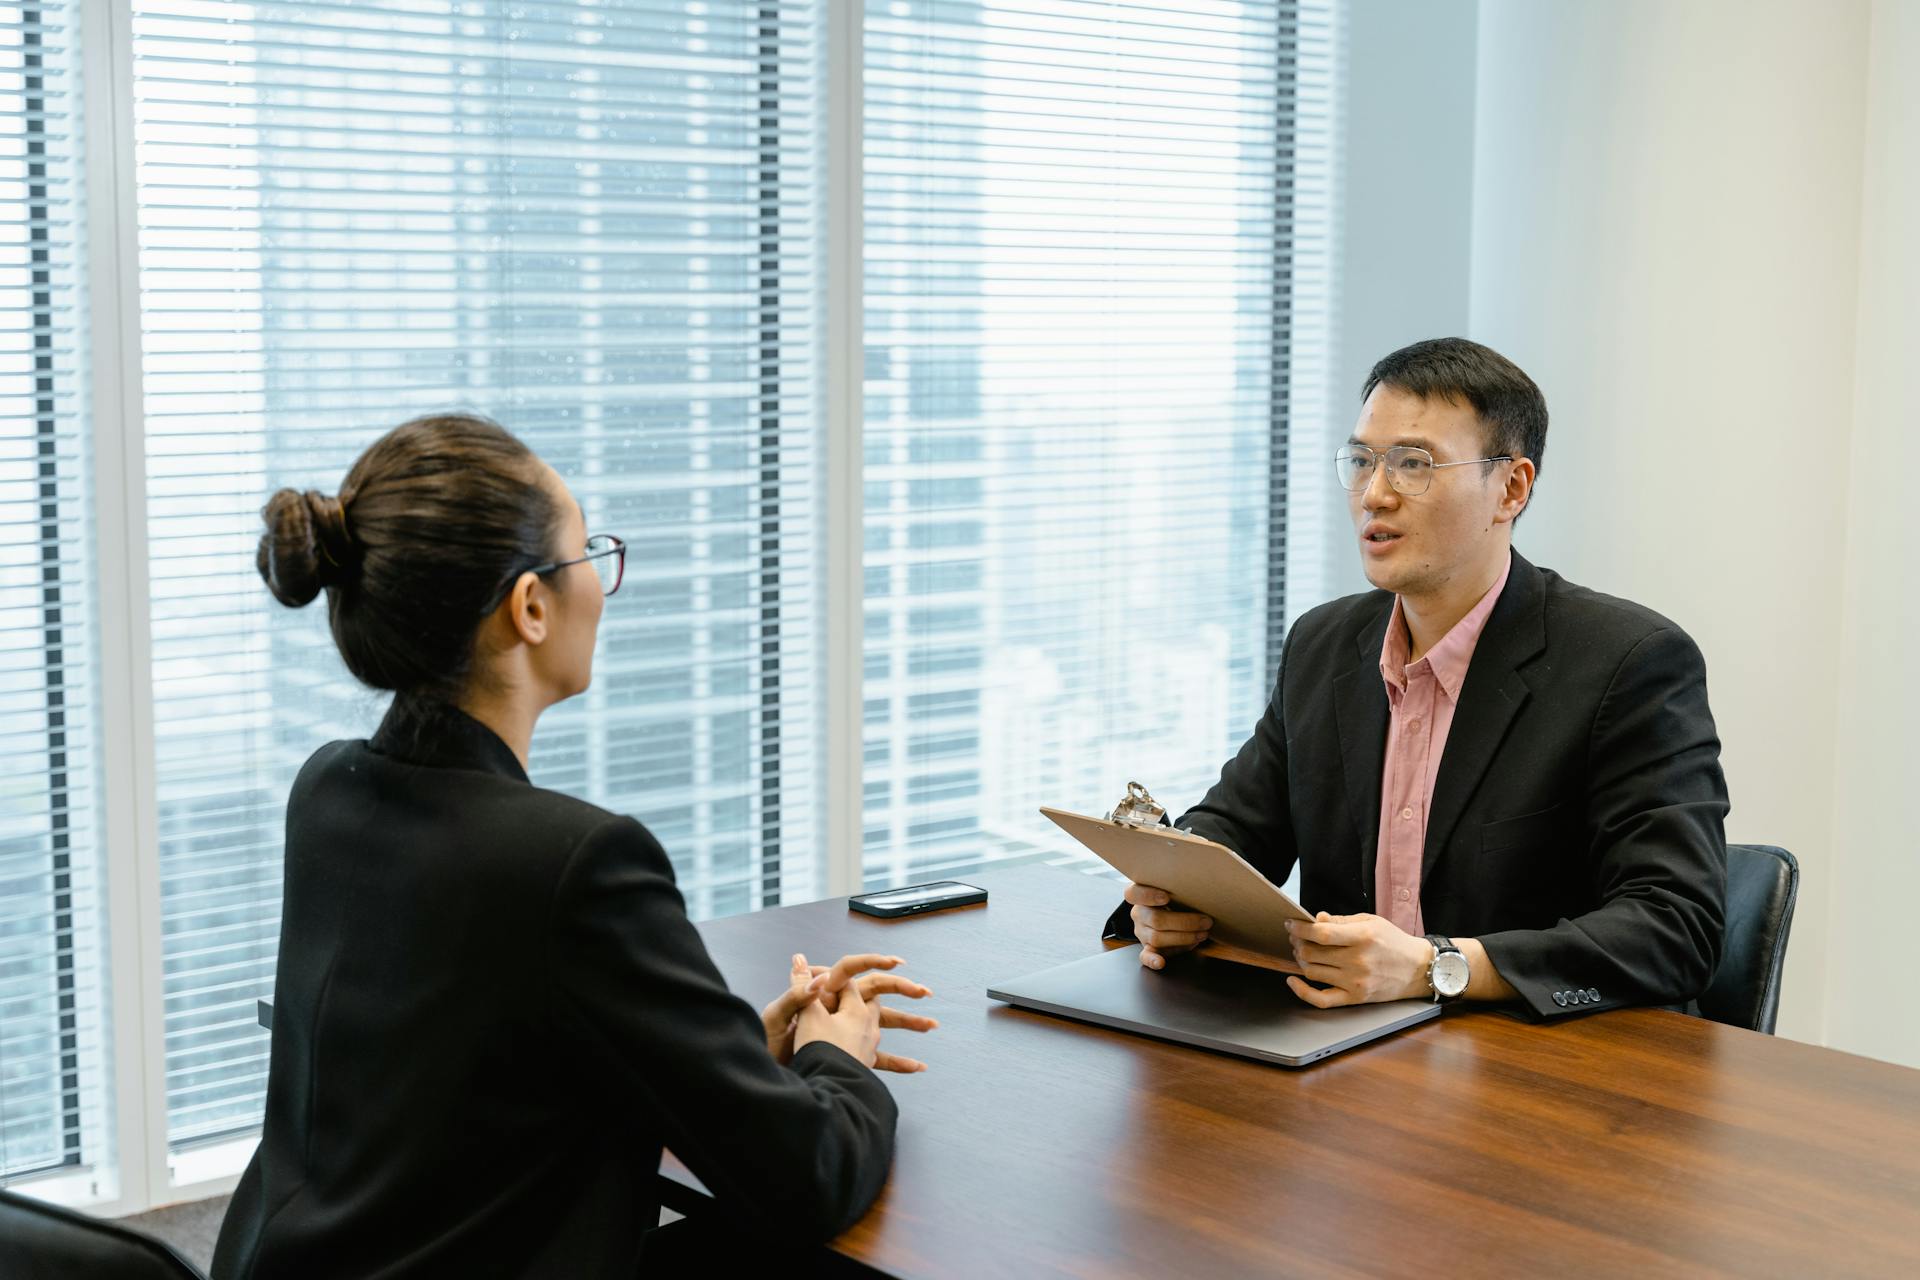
(606, 553)
(1409, 467)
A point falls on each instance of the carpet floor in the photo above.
(190, 1228)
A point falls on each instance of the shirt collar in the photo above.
(441, 736)
(1449, 659)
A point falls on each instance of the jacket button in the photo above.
(1560, 998)
(1593, 994)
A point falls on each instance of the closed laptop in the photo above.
(1207, 1003)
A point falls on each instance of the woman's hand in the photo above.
(840, 1003)
(782, 1014)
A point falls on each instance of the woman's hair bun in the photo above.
(307, 546)
(441, 516)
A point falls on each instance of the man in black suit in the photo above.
(1497, 785)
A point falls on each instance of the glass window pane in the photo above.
(52, 947)
(1077, 257)
(575, 217)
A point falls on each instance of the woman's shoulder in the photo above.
(491, 807)
(336, 759)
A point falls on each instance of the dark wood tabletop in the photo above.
(1635, 1141)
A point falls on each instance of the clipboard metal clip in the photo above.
(1137, 808)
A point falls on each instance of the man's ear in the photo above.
(1518, 492)
(527, 609)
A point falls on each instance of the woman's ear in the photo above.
(528, 608)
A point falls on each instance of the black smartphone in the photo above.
(915, 898)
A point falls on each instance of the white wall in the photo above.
(1871, 1004)
(1667, 233)
(1406, 210)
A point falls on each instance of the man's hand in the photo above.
(1162, 932)
(1362, 959)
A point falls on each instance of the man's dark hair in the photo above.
(1513, 413)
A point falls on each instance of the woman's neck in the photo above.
(510, 717)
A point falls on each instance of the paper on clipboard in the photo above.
(1249, 911)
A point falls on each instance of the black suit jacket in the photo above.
(491, 1012)
(1576, 826)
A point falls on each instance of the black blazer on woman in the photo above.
(491, 1014)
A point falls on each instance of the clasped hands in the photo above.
(1360, 959)
(841, 1005)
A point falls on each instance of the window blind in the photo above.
(51, 956)
(593, 221)
(1080, 261)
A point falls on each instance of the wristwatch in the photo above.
(1447, 975)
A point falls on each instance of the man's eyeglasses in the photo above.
(606, 553)
(1409, 468)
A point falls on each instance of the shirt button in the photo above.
(1413, 725)
(1406, 813)
(1404, 895)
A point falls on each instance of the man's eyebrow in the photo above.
(1418, 442)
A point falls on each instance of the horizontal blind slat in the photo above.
(52, 1022)
(1076, 218)
(576, 217)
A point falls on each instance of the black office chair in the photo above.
(1762, 883)
(41, 1242)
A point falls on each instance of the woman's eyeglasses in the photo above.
(606, 553)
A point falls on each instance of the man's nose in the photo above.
(1379, 495)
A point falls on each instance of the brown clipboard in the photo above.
(1249, 911)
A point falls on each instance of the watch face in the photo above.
(1449, 973)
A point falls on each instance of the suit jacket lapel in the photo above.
(1361, 700)
(1490, 698)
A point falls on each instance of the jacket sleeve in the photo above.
(802, 1149)
(1656, 805)
(1247, 809)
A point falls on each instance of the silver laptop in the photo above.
(1212, 1004)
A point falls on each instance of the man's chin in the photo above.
(1382, 577)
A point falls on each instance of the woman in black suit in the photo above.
(491, 1011)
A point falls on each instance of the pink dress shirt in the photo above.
(1421, 698)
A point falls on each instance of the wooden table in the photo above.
(1635, 1142)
